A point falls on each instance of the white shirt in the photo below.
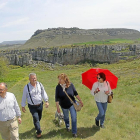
(37, 93)
(101, 96)
(9, 108)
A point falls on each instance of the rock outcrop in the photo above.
(100, 54)
(73, 55)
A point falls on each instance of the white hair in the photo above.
(4, 85)
(32, 74)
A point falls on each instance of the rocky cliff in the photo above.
(73, 55)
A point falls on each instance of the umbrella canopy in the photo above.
(90, 77)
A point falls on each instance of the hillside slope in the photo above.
(52, 37)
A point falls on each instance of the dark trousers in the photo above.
(36, 112)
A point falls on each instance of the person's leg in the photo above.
(66, 117)
(4, 131)
(40, 109)
(35, 116)
(104, 106)
(73, 119)
(101, 111)
(13, 127)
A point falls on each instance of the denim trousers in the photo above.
(73, 118)
(36, 112)
(102, 107)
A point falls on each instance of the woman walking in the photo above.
(100, 90)
(65, 103)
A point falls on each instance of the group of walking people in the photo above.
(34, 93)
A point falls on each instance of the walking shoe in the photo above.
(102, 126)
(74, 135)
(38, 135)
(96, 122)
(68, 129)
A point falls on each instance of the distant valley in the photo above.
(13, 42)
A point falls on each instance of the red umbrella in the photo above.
(90, 77)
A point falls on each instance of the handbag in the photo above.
(110, 97)
(76, 104)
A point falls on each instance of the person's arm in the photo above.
(94, 89)
(76, 95)
(109, 89)
(58, 108)
(24, 96)
(57, 100)
(44, 95)
(17, 110)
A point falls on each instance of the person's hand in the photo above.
(46, 104)
(23, 109)
(19, 120)
(81, 103)
(96, 91)
(106, 92)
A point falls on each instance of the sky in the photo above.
(19, 19)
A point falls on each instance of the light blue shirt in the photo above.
(9, 107)
(37, 94)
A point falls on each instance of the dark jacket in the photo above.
(60, 96)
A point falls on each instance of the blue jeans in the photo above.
(73, 118)
(102, 107)
(36, 112)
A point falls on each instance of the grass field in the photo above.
(122, 117)
(110, 42)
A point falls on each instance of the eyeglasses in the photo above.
(98, 78)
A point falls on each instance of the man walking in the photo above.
(9, 113)
(34, 92)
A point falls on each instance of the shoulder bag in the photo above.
(110, 97)
(77, 105)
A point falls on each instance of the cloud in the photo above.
(2, 5)
(17, 22)
(89, 14)
(16, 35)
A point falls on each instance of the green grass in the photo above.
(122, 116)
(110, 42)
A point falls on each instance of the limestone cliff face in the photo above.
(73, 55)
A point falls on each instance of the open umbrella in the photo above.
(90, 77)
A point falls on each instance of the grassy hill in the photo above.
(67, 36)
(122, 117)
(10, 47)
(111, 42)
